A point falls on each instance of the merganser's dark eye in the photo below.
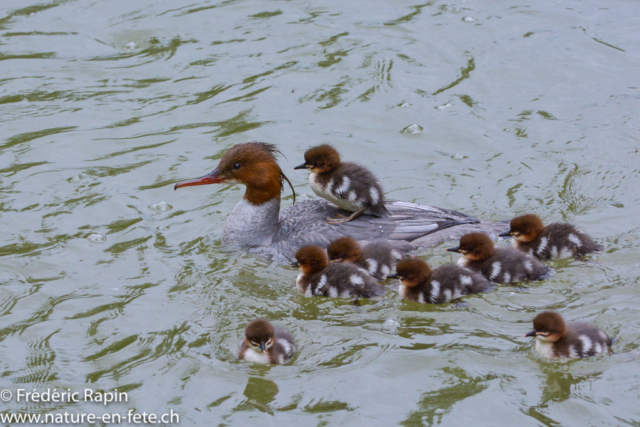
(237, 166)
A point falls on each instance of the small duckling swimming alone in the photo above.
(500, 265)
(378, 257)
(264, 343)
(556, 339)
(554, 241)
(445, 283)
(350, 186)
(320, 278)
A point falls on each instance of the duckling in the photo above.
(320, 278)
(554, 241)
(350, 186)
(557, 339)
(378, 257)
(264, 343)
(443, 284)
(500, 265)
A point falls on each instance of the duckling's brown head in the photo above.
(548, 326)
(344, 249)
(525, 228)
(311, 259)
(259, 334)
(320, 159)
(475, 247)
(413, 271)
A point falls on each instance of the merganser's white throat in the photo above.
(252, 225)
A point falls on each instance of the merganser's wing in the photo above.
(304, 224)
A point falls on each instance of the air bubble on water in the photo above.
(130, 46)
(439, 411)
(160, 206)
(412, 129)
(444, 106)
(458, 157)
(469, 19)
(476, 196)
(404, 105)
(75, 178)
(97, 238)
(390, 323)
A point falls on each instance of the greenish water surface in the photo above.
(111, 280)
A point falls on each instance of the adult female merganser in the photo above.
(319, 278)
(557, 339)
(500, 265)
(264, 343)
(443, 284)
(378, 258)
(554, 241)
(257, 224)
(351, 186)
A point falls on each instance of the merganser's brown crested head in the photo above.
(475, 247)
(259, 334)
(311, 259)
(344, 249)
(525, 228)
(321, 159)
(412, 272)
(548, 326)
(253, 164)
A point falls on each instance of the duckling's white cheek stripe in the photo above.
(586, 343)
(496, 267)
(528, 266)
(373, 265)
(575, 239)
(356, 280)
(543, 245)
(466, 280)
(462, 261)
(346, 182)
(375, 196)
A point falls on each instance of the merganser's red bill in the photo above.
(212, 178)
